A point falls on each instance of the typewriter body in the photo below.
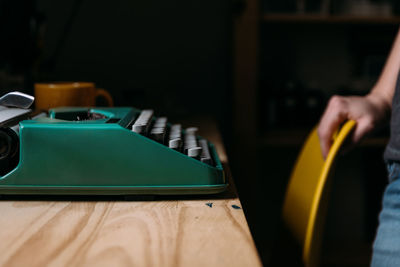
(110, 151)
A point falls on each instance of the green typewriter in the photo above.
(101, 151)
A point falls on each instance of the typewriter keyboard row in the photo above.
(172, 136)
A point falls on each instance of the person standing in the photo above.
(371, 112)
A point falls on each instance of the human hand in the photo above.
(368, 111)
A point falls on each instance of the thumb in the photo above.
(363, 127)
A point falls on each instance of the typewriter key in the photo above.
(175, 144)
(205, 154)
(194, 152)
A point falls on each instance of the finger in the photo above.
(363, 127)
(335, 114)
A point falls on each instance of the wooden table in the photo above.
(180, 231)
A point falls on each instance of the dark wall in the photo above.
(173, 56)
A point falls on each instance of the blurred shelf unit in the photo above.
(276, 46)
(329, 19)
(307, 57)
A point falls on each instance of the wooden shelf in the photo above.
(330, 19)
(296, 137)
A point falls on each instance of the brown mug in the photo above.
(64, 94)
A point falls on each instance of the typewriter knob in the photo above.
(5, 145)
(9, 145)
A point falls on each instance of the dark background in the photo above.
(170, 55)
(263, 76)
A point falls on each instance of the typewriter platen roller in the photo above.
(111, 151)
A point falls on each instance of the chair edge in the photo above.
(340, 138)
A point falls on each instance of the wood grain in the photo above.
(188, 232)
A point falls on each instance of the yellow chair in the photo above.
(306, 199)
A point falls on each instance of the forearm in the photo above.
(370, 111)
(385, 86)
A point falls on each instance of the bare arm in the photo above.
(368, 111)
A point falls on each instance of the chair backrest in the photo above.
(306, 199)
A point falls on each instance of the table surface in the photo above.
(179, 231)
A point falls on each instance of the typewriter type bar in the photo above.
(191, 146)
(175, 137)
(142, 123)
(159, 129)
(205, 152)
